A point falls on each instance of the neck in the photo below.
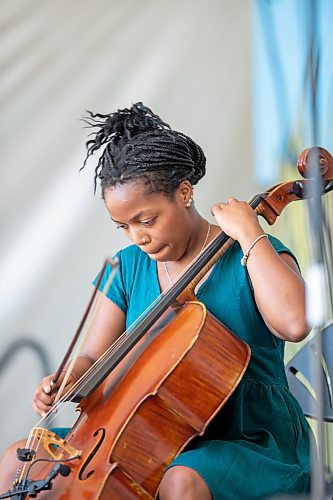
(206, 226)
(199, 236)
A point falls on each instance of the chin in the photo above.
(163, 255)
(154, 257)
(157, 257)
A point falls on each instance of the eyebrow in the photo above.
(135, 217)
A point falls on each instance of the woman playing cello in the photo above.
(258, 444)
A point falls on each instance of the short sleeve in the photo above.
(116, 291)
(281, 248)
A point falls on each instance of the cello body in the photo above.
(163, 394)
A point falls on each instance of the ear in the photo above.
(185, 191)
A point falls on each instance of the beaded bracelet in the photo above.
(247, 253)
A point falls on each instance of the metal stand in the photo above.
(316, 312)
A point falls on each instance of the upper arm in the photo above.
(288, 259)
(109, 322)
(291, 262)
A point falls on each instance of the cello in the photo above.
(159, 387)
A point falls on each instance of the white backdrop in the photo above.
(189, 60)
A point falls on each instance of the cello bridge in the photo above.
(55, 446)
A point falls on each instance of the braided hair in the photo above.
(139, 146)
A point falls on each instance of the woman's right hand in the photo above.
(45, 393)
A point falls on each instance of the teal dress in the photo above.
(258, 445)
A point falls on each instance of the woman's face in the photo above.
(160, 226)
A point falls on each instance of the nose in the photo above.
(139, 237)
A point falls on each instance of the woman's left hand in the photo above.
(237, 219)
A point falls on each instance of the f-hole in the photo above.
(82, 476)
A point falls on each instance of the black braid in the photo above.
(139, 146)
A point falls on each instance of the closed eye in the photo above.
(147, 222)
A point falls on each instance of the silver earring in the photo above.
(190, 201)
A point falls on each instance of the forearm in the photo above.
(81, 365)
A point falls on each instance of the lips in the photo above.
(154, 252)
